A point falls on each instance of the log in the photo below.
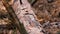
(24, 17)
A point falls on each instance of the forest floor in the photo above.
(48, 14)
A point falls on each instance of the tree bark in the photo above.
(26, 15)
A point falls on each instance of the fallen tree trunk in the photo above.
(26, 16)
